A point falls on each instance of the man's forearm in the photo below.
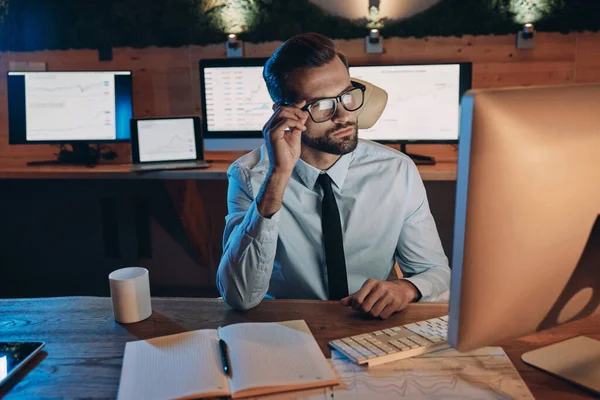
(248, 254)
(247, 261)
(270, 197)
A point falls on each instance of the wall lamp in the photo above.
(374, 42)
(234, 46)
(525, 37)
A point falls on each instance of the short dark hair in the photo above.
(307, 50)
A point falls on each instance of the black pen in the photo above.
(225, 357)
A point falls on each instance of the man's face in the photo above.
(339, 135)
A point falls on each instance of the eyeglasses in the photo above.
(323, 110)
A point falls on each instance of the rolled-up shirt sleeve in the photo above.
(249, 245)
(419, 251)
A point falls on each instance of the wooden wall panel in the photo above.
(587, 63)
(490, 75)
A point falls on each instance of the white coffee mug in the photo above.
(130, 294)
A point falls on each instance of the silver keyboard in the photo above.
(379, 347)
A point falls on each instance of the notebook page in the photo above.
(185, 365)
(271, 355)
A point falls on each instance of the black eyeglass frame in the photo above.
(337, 100)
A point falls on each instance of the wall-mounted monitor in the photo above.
(58, 107)
(423, 101)
(235, 103)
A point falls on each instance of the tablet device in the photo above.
(14, 355)
(166, 143)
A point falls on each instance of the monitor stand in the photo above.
(80, 154)
(418, 159)
(576, 360)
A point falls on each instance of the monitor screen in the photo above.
(235, 99)
(69, 106)
(166, 139)
(423, 101)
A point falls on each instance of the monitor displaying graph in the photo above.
(423, 101)
(69, 106)
(235, 99)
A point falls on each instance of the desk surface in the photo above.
(443, 171)
(84, 346)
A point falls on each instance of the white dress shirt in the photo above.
(384, 214)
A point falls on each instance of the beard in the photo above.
(331, 145)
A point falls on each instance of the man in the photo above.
(317, 213)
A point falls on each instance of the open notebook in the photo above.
(265, 358)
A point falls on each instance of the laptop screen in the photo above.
(166, 139)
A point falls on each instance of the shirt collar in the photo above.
(337, 172)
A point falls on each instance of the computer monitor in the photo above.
(74, 107)
(235, 103)
(423, 102)
(527, 223)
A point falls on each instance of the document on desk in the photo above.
(264, 358)
(483, 374)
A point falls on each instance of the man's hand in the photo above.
(382, 298)
(283, 134)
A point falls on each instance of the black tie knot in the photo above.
(325, 181)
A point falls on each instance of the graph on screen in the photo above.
(166, 140)
(423, 101)
(236, 99)
(74, 106)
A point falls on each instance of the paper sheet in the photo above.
(274, 354)
(189, 360)
(483, 374)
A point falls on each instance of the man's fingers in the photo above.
(283, 112)
(373, 286)
(364, 291)
(372, 298)
(389, 310)
(378, 298)
(287, 123)
(380, 305)
(301, 127)
(280, 116)
(295, 110)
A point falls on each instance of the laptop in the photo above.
(166, 143)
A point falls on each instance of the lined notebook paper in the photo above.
(265, 358)
(271, 354)
(175, 366)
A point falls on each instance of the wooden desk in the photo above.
(443, 171)
(84, 346)
(217, 170)
(16, 167)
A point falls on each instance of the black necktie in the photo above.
(334, 244)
